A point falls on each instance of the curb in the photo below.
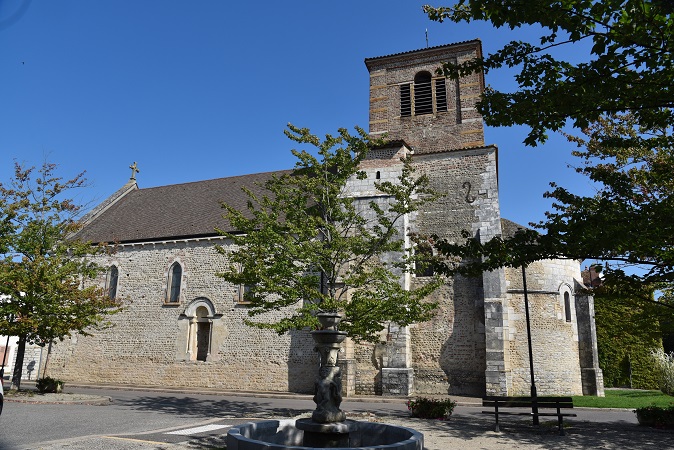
(460, 401)
(90, 400)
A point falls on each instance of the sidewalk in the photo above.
(460, 401)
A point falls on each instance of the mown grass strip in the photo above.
(624, 398)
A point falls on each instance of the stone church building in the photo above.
(184, 325)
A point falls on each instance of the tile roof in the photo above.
(175, 211)
(437, 47)
(509, 228)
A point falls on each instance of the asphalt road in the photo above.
(135, 418)
(150, 414)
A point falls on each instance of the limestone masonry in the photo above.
(184, 325)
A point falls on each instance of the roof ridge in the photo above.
(233, 177)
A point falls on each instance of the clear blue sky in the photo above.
(194, 90)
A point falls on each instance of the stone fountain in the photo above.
(328, 426)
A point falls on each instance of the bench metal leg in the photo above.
(496, 414)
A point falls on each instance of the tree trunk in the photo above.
(18, 365)
(46, 361)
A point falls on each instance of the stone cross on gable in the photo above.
(134, 171)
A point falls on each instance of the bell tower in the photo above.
(411, 102)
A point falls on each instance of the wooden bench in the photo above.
(557, 403)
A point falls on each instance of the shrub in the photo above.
(664, 364)
(656, 416)
(428, 408)
(49, 385)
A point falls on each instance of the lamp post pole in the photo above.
(534, 395)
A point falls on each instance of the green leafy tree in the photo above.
(308, 246)
(626, 65)
(43, 273)
(620, 95)
(627, 334)
(627, 223)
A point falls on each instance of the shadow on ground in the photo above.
(469, 432)
(207, 408)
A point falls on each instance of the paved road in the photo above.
(150, 419)
(150, 415)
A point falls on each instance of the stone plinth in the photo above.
(399, 382)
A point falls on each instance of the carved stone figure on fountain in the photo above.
(328, 396)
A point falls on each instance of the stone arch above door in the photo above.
(198, 331)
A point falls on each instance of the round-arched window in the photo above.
(423, 94)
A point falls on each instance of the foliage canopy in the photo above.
(627, 66)
(43, 273)
(309, 245)
(620, 95)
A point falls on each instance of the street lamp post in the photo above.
(534, 395)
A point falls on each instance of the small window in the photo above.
(113, 279)
(423, 95)
(567, 306)
(175, 279)
(378, 175)
(405, 100)
(423, 262)
(242, 296)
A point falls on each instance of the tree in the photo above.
(628, 67)
(620, 95)
(627, 223)
(42, 271)
(308, 245)
(627, 334)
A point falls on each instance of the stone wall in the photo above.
(554, 339)
(449, 351)
(32, 362)
(145, 343)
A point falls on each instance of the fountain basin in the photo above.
(284, 434)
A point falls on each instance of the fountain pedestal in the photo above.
(328, 427)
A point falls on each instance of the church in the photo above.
(184, 326)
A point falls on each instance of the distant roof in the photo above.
(509, 228)
(175, 211)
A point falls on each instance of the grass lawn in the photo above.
(624, 398)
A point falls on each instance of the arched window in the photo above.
(174, 282)
(422, 90)
(111, 283)
(423, 95)
(567, 306)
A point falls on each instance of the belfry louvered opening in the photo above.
(424, 96)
